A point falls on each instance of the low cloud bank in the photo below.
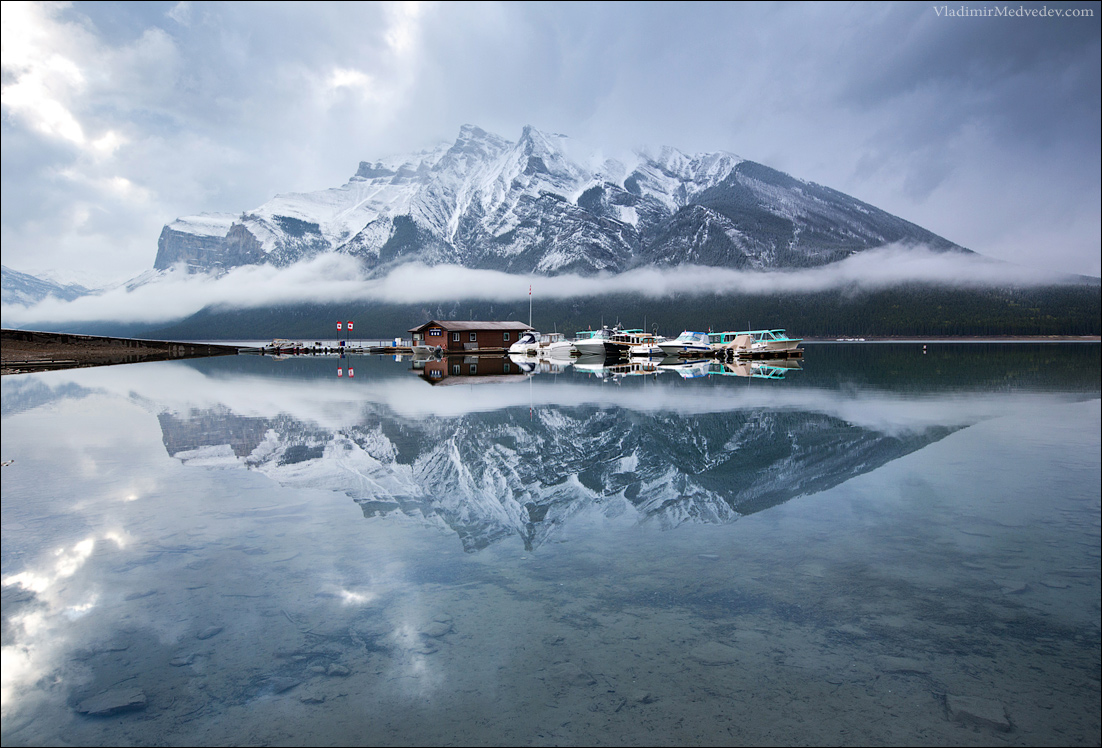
(335, 278)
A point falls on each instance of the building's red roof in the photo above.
(460, 325)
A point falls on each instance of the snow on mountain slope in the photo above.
(549, 205)
(23, 289)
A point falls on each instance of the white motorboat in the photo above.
(601, 343)
(422, 351)
(542, 345)
(649, 347)
(688, 343)
(527, 345)
(772, 341)
(560, 350)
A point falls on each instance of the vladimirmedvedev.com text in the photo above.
(1007, 11)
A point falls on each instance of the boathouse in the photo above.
(464, 336)
(468, 369)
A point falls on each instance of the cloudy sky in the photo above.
(120, 117)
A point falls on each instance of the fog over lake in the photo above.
(878, 544)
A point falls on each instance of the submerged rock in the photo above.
(113, 702)
(209, 632)
(282, 684)
(436, 629)
(977, 711)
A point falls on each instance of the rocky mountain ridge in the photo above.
(545, 205)
(25, 289)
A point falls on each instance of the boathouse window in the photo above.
(455, 337)
(474, 337)
(505, 336)
(474, 368)
(506, 365)
(416, 336)
(455, 367)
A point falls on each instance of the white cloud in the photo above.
(181, 13)
(334, 278)
(986, 133)
(39, 80)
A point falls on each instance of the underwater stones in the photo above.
(113, 702)
(977, 711)
(366, 632)
(209, 632)
(714, 653)
(282, 684)
(436, 629)
(426, 648)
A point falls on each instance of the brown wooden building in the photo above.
(469, 369)
(466, 336)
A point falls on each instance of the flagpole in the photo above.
(529, 304)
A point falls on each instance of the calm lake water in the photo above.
(886, 545)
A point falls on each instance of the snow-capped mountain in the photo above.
(21, 288)
(487, 476)
(543, 204)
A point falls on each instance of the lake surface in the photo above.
(890, 544)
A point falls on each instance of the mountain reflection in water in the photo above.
(930, 551)
(518, 456)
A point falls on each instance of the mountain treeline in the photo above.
(916, 310)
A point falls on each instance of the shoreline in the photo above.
(963, 339)
(24, 351)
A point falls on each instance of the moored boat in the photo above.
(543, 345)
(601, 343)
(772, 341)
(284, 347)
(527, 345)
(648, 346)
(688, 343)
(730, 342)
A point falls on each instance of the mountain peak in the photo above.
(544, 204)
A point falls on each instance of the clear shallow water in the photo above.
(883, 547)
